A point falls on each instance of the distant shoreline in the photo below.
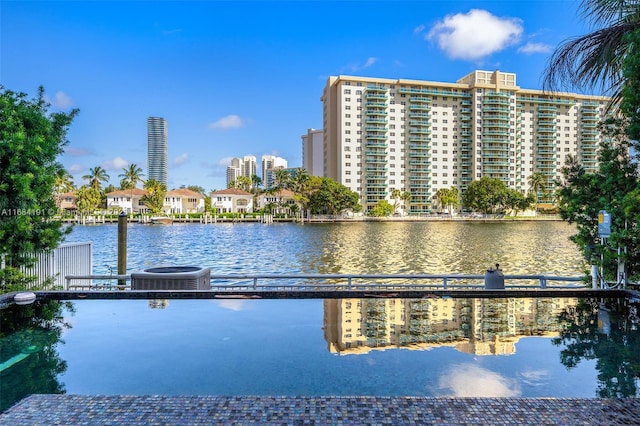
(98, 220)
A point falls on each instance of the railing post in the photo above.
(122, 246)
(255, 283)
(543, 282)
(444, 283)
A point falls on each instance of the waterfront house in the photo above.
(183, 201)
(66, 201)
(232, 200)
(277, 202)
(128, 200)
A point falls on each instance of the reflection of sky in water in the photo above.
(279, 347)
(470, 380)
(391, 247)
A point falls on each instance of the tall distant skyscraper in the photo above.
(157, 148)
(270, 163)
(313, 152)
(245, 166)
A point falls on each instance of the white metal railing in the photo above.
(329, 282)
(57, 264)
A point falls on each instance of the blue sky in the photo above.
(246, 77)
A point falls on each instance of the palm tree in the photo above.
(63, 183)
(396, 194)
(131, 175)
(406, 198)
(282, 178)
(537, 184)
(129, 179)
(597, 57)
(96, 176)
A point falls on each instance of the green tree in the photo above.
(300, 185)
(448, 198)
(241, 182)
(87, 200)
(382, 209)
(330, 197)
(256, 184)
(154, 198)
(131, 176)
(406, 199)
(487, 195)
(630, 91)
(396, 194)
(196, 188)
(31, 139)
(97, 175)
(537, 185)
(281, 179)
(613, 188)
(63, 183)
(596, 58)
(516, 201)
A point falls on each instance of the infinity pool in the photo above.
(560, 347)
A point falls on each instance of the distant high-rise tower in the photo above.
(245, 166)
(313, 151)
(271, 162)
(157, 148)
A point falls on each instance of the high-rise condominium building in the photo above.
(420, 136)
(270, 163)
(157, 148)
(312, 152)
(245, 166)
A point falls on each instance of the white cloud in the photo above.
(370, 61)
(229, 122)
(357, 67)
(474, 35)
(75, 168)
(61, 100)
(469, 380)
(181, 159)
(531, 48)
(117, 163)
(420, 28)
(225, 161)
(77, 152)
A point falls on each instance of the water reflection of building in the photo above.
(477, 326)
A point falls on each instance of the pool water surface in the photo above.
(309, 347)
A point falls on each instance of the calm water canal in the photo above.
(388, 247)
(440, 346)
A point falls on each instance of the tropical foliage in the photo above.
(491, 196)
(382, 209)
(31, 139)
(613, 188)
(130, 176)
(326, 196)
(596, 58)
(448, 198)
(609, 56)
(97, 175)
(154, 198)
(87, 199)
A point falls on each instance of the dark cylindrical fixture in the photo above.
(122, 246)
